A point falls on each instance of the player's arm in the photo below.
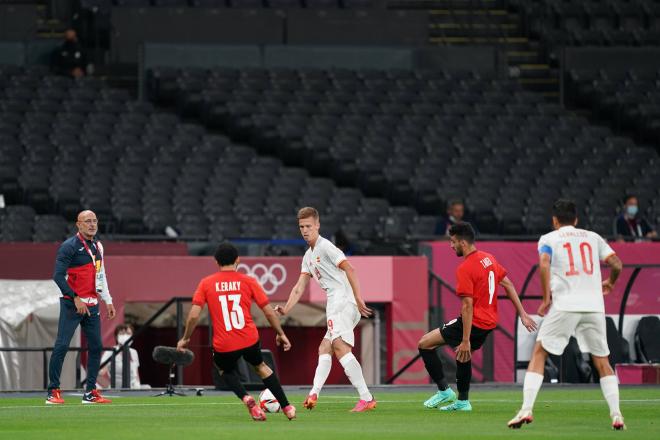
(512, 294)
(355, 286)
(544, 274)
(616, 266)
(271, 316)
(295, 294)
(464, 351)
(191, 323)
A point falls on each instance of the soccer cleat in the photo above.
(54, 397)
(363, 405)
(524, 416)
(617, 423)
(310, 401)
(94, 397)
(459, 405)
(254, 410)
(289, 412)
(445, 396)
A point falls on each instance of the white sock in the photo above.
(353, 371)
(531, 387)
(322, 373)
(610, 387)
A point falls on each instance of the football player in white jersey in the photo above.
(573, 305)
(325, 262)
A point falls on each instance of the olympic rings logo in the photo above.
(270, 278)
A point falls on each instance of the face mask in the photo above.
(632, 210)
(122, 338)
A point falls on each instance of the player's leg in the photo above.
(226, 363)
(427, 347)
(91, 327)
(353, 370)
(592, 337)
(66, 327)
(253, 356)
(556, 329)
(340, 327)
(322, 371)
(464, 369)
(531, 386)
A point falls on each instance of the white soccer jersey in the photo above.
(322, 263)
(575, 278)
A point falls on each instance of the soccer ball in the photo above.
(268, 402)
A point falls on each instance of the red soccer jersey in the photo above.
(229, 295)
(478, 276)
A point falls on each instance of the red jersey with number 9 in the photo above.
(229, 295)
(478, 276)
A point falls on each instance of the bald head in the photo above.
(87, 224)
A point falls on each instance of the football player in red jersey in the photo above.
(477, 279)
(229, 295)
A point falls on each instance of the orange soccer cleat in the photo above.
(310, 401)
(363, 405)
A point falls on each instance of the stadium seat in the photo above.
(646, 341)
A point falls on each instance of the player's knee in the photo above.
(602, 365)
(263, 370)
(426, 342)
(340, 348)
(325, 348)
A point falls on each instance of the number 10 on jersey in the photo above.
(587, 259)
(234, 318)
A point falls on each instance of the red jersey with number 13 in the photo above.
(478, 276)
(229, 295)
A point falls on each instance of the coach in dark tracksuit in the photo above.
(80, 275)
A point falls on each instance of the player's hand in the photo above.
(607, 287)
(364, 310)
(544, 308)
(111, 311)
(283, 341)
(279, 310)
(81, 307)
(182, 344)
(463, 352)
(528, 322)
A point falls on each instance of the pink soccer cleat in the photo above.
(310, 401)
(617, 423)
(256, 412)
(363, 405)
(289, 412)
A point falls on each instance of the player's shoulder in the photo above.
(324, 243)
(552, 235)
(592, 234)
(69, 245)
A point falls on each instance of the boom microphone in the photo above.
(170, 355)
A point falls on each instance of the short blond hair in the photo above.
(308, 212)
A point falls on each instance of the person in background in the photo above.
(630, 225)
(69, 58)
(455, 214)
(122, 333)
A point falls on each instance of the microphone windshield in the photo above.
(170, 355)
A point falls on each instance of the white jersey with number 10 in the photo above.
(575, 280)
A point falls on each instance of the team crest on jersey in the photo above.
(318, 259)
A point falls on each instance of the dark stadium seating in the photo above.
(141, 176)
(592, 23)
(420, 139)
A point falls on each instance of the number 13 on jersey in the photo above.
(234, 318)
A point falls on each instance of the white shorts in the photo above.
(587, 327)
(342, 322)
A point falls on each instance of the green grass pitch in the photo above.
(560, 413)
